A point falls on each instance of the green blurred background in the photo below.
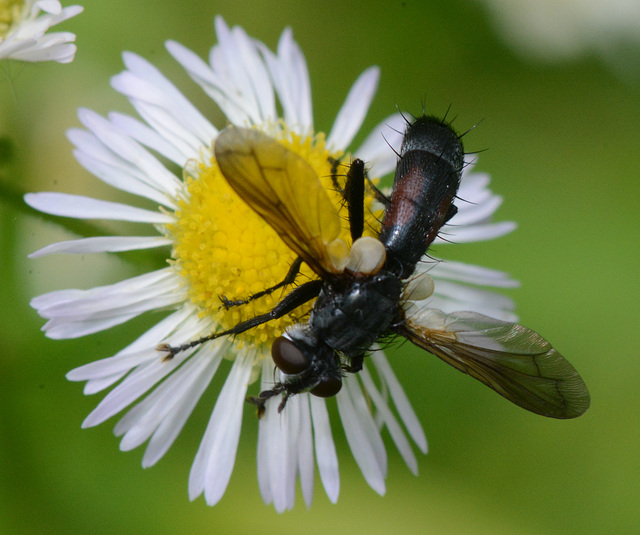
(562, 139)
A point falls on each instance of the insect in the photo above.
(364, 293)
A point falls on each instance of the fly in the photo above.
(363, 294)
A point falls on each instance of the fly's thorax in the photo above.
(351, 313)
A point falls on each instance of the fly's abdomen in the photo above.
(425, 184)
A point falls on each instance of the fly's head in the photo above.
(303, 364)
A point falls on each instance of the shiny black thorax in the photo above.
(352, 312)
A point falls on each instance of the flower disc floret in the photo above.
(10, 10)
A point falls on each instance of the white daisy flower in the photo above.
(23, 27)
(217, 246)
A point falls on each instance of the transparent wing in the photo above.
(514, 361)
(286, 192)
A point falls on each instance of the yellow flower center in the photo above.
(10, 12)
(222, 248)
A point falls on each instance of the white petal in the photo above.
(56, 14)
(478, 197)
(290, 428)
(165, 411)
(469, 214)
(102, 244)
(389, 420)
(105, 165)
(380, 149)
(140, 421)
(126, 153)
(181, 326)
(260, 84)
(75, 313)
(247, 80)
(93, 386)
(291, 80)
(473, 186)
(170, 428)
(470, 295)
(295, 66)
(164, 107)
(135, 385)
(81, 207)
(113, 365)
(267, 453)
(473, 233)
(461, 272)
(452, 297)
(305, 449)
(178, 327)
(448, 306)
(147, 137)
(325, 448)
(402, 404)
(277, 455)
(362, 435)
(362, 407)
(354, 110)
(187, 327)
(102, 301)
(52, 47)
(63, 329)
(213, 84)
(216, 455)
(264, 471)
(166, 95)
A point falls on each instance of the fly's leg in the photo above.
(355, 365)
(261, 399)
(297, 297)
(335, 164)
(354, 195)
(289, 278)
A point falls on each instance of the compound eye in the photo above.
(287, 357)
(327, 387)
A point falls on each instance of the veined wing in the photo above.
(514, 361)
(285, 191)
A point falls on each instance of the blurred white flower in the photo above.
(554, 30)
(23, 27)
